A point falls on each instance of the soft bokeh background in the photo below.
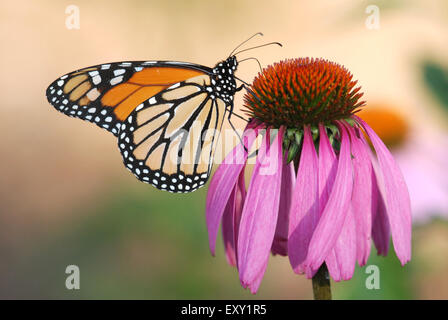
(65, 197)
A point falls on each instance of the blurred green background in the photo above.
(65, 197)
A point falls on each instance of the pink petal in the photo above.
(333, 216)
(260, 212)
(396, 197)
(231, 219)
(345, 248)
(380, 222)
(255, 284)
(332, 265)
(362, 194)
(222, 184)
(280, 244)
(342, 258)
(304, 213)
(227, 229)
(327, 172)
(328, 165)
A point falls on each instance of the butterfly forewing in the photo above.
(106, 94)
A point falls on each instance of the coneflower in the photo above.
(317, 193)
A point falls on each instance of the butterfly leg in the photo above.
(244, 86)
(236, 115)
(230, 109)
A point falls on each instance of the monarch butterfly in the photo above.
(154, 109)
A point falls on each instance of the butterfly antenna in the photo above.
(260, 46)
(253, 58)
(257, 34)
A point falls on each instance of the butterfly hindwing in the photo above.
(169, 139)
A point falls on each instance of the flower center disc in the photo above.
(302, 91)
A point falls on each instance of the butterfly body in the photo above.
(164, 113)
(223, 81)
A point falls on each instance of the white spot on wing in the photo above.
(93, 94)
(116, 80)
(174, 85)
(96, 79)
(119, 71)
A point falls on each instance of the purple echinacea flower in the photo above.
(317, 193)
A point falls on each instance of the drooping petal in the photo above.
(241, 197)
(304, 213)
(327, 172)
(222, 185)
(345, 247)
(342, 258)
(380, 222)
(362, 194)
(333, 216)
(255, 284)
(228, 231)
(327, 167)
(231, 219)
(396, 196)
(260, 212)
(280, 244)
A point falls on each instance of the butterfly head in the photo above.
(223, 79)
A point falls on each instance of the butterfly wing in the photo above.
(106, 94)
(169, 139)
(164, 113)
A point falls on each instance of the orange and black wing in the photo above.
(107, 94)
(164, 113)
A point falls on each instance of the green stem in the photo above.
(321, 284)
